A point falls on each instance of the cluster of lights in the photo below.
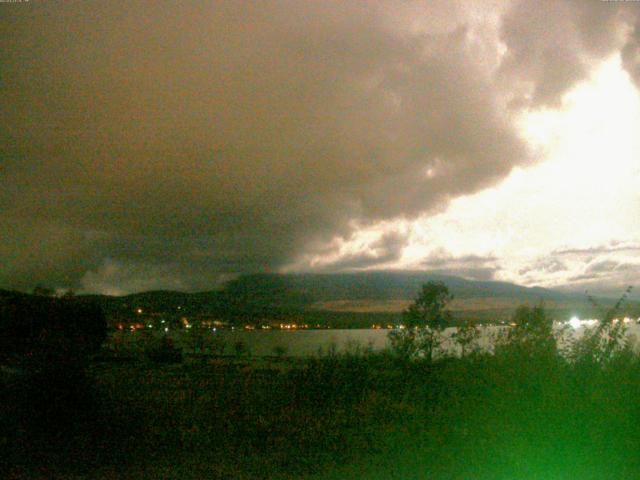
(576, 322)
(292, 326)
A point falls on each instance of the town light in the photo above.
(575, 323)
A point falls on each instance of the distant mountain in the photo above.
(275, 296)
(266, 294)
(387, 285)
(159, 301)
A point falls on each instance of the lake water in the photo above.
(258, 342)
(291, 342)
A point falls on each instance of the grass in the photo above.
(518, 414)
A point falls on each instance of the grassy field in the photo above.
(517, 414)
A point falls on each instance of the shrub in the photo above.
(240, 348)
(531, 333)
(601, 344)
(466, 336)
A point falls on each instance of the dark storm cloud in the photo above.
(598, 250)
(631, 53)
(553, 43)
(611, 267)
(607, 277)
(604, 266)
(603, 269)
(482, 274)
(185, 141)
(387, 248)
(475, 267)
(442, 258)
(584, 278)
(544, 265)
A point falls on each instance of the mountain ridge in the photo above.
(310, 288)
(332, 296)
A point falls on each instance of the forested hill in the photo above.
(268, 292)
(386, 285)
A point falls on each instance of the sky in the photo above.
(150, 145)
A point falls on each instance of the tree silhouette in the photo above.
(532, 331)
(423, 322)
(429, 309)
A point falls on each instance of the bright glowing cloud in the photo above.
(581, 196)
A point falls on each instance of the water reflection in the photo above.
(302, 342)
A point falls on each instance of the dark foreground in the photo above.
(513, 415)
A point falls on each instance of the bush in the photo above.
(531, 333)
(240, 348)
(466, 336)
(601, 344)
(49, 330)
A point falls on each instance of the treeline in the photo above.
(45, 390)
(37, 326)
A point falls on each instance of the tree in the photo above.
(59, 331)
(429, 309)
(423, 321)
(466, 336)
(68, 294)
(532, 331)
(50, 341)
(42, 291)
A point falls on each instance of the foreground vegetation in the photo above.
(526, 410)
(503, 416)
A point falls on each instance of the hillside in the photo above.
(278, 294)
(388, 285)
(354, 296)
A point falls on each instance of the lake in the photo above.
(292, 342)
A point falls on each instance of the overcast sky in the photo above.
(162, 144)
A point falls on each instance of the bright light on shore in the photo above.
(575, 323)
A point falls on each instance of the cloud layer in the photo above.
(183, 142)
